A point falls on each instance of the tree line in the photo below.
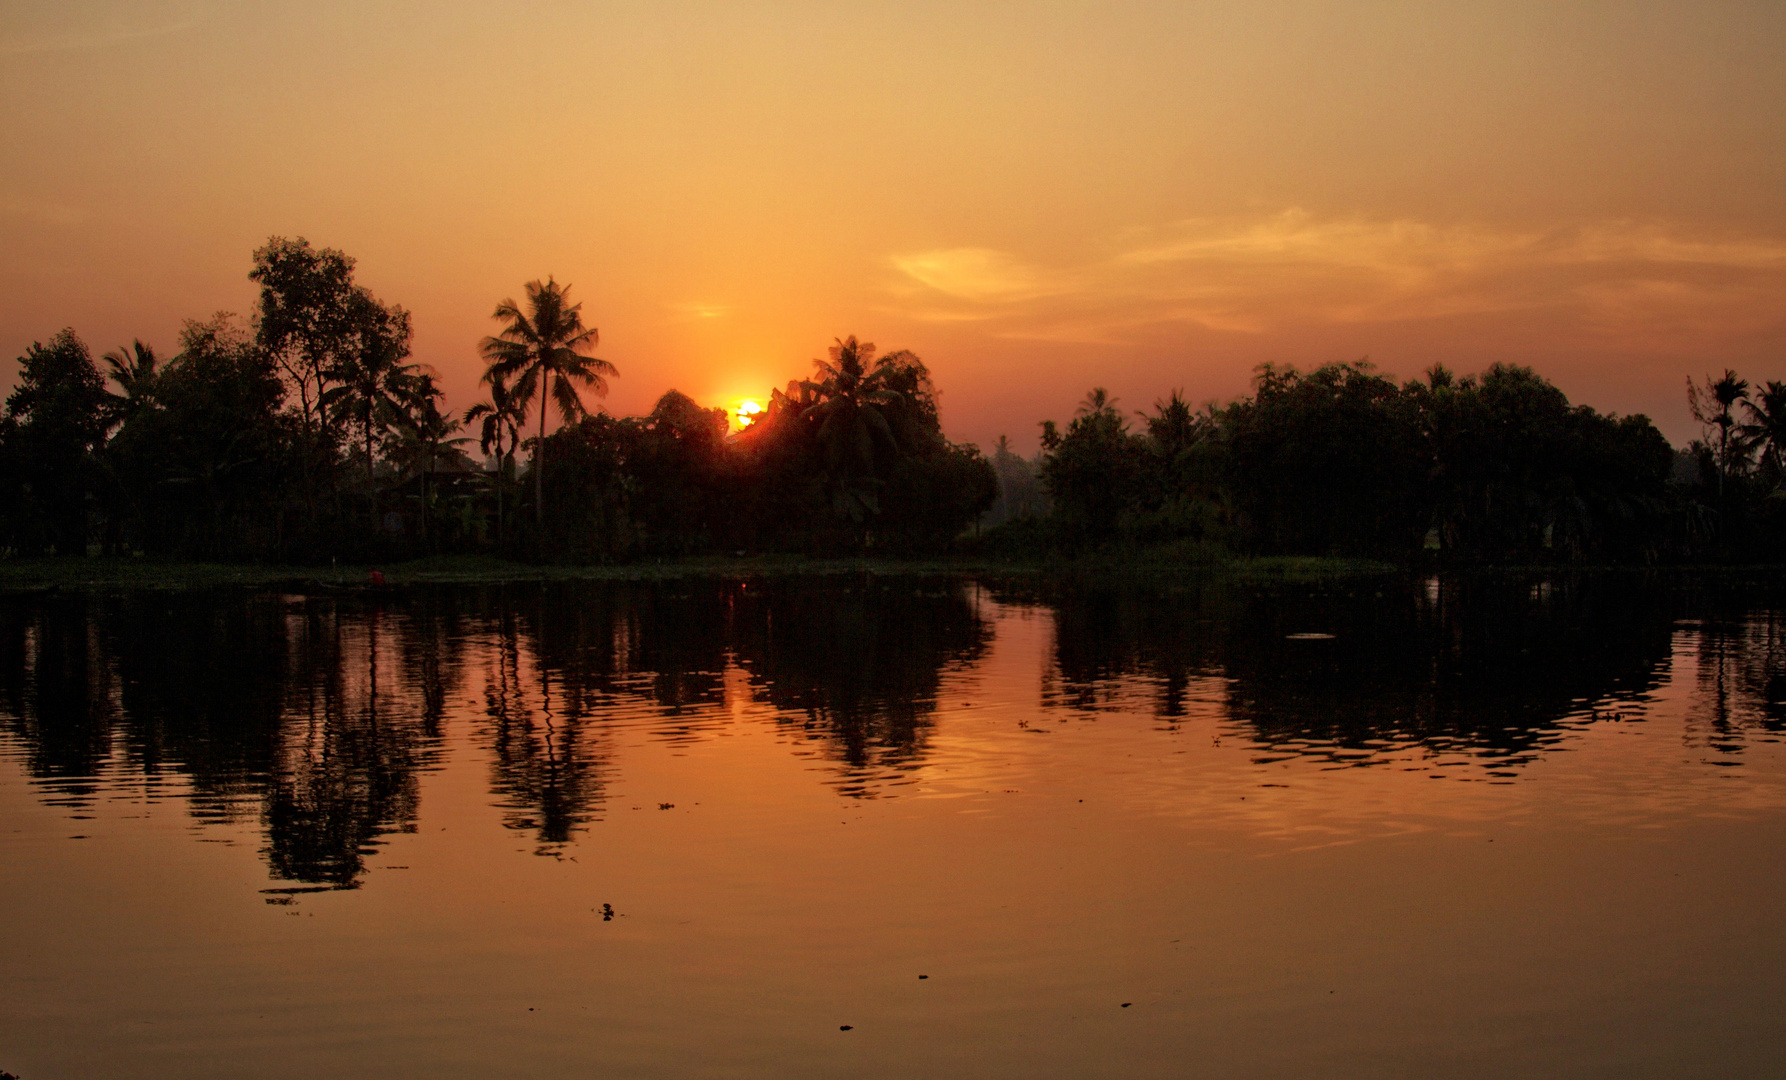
(1346, 461)
(308, 432)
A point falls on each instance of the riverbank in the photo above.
(86, 574)
(91, 574)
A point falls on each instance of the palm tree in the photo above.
(424, 438)
(1712, 405)
(539, 349)
(851, 420)
(499, 419)
(1174, 426)
(133, 369)
(1767, 428)
(375, 388)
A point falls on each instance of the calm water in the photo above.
(1000, 829)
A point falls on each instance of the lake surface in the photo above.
(897, 827)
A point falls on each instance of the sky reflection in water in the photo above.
(1211, 799)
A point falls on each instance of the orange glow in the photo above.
(1144, 197)
(746, 413)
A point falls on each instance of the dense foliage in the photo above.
(310, 434)
(1345, 461)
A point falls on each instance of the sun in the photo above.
(747, 412)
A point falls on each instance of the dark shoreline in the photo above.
(46, 575)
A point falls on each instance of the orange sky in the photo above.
(1035, 197)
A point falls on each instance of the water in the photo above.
(1028, 828)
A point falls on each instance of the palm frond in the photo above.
(570, 406)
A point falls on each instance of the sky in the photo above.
(1037, 197)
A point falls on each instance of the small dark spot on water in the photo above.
(845, 1027)
(607, 913)
(1126, 1004)
(923, 976)
(666, 806)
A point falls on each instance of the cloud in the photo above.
(976, 275)
(1292, 269)
(698, 310)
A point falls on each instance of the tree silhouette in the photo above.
(54, 420)
(1713, 404)
(324, 333)
(208, 466)
(1092, 470)
(499, 431)
(133, 368)
(376, 387)
(425, 438)
(539, 350)
(305, 317)
(851, 423)
(1766, 429)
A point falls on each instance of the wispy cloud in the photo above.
(695, 309)
(976, 275)
(1251, 276)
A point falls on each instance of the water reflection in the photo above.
(1350, 670)
(317, 715)
(546, 764)
(858, 664)
(1740, 678)
(347, 749)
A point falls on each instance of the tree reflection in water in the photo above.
(260, 703)
(1740, 677)
(857, 662)
(349, 748)
(1351, 669)
(316, 716)
(545, 772)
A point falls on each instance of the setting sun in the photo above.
(747, 412)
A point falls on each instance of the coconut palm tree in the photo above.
(852, 422)
(499, 429)
(424, 439)
(374, 388)
(1713, 405)
(1767, 428)
(133, 368)
(539, 350)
